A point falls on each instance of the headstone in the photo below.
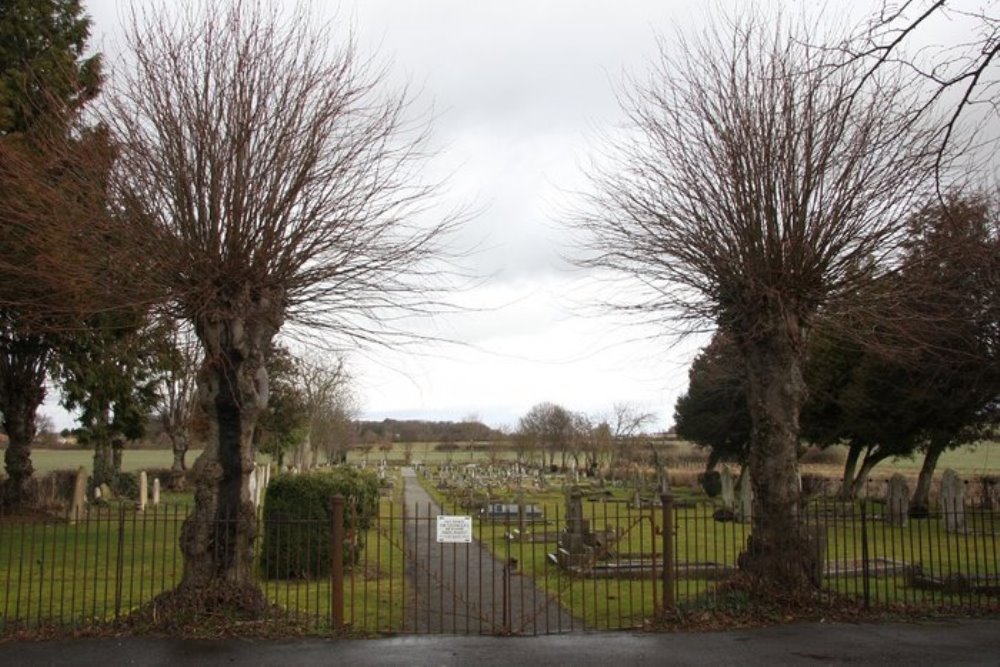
(953, 501)
(726, 494)
(78, 509)
(576, 542)
(897, 501)
(143, 491)
(156, 492)
(104, 492)
(252, 484)
(744, 498)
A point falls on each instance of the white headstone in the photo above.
(726, 483)
(744, 498)
(79, 507)
(143, 491)
(953, 501)
(156, 492)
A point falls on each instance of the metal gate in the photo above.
(501, 573)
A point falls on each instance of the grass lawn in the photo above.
(891, 551)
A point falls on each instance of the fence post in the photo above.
(337, 562)
(864, 556)
(667, 501)
(120, 561)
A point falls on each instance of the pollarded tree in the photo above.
(273, 176)
(755, 180)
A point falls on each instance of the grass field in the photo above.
(970, 460)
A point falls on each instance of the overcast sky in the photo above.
(520, 91)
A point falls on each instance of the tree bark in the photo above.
(920, 503)
(22, 390)
(217, 539)
(778, 553)
(179, 445)
(867, 465)
(850, 465)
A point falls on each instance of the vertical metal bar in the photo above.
(132, 559)
(390, 546)
(429, 540)
(10, 564)
(482, 539)
(352, 538)
(654, 581)
(865, 586)
(337, 562)
(378, 564)
(667, 501)
(120, 560)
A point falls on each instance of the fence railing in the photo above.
(599, 567)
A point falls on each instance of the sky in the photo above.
(520, 93)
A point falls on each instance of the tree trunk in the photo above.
(778, 553)
(871, 460)
(22, 390)
(920, 503)
(847, 484)
(217, 539)
(103, 467)
(179, 445)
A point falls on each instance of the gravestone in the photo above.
(726, 492)
(744, 498)
(143, 491)
(156, 492)
(897, 501)
(78, 509)
(953, 501)
(576, 542)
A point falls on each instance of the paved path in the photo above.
(459, 588)
(960, 642)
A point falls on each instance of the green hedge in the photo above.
(296, 541)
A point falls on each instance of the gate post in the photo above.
(337, 562)
(667, 502)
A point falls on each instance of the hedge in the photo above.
(296, 542)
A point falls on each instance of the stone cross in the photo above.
(953, 501)
(897, 501)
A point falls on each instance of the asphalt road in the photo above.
(961, 642)
(462, 588)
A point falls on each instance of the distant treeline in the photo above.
(415, 430)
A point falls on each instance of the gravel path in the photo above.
(459, 588)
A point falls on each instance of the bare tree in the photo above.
(276, 181)
(324, 384)
(957, 74)
(177, 392)
(755, 183)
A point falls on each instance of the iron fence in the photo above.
(597, 565)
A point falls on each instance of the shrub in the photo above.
(297, 520)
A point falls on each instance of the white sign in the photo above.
(454, 528)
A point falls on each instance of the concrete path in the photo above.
(460, 588)
(961, 642)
